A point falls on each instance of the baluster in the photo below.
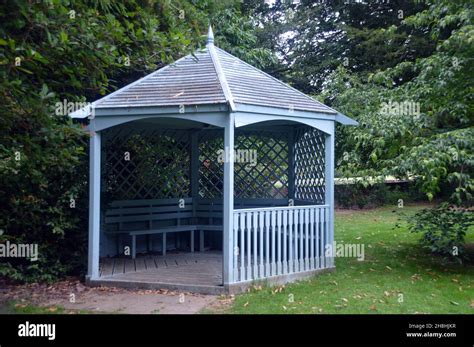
(267, 244)
(254, 248)
(278, 236)
(301, 233)
(242, 246)
(328, 260)
(311, 239)
(290, 241)
(318, 245)
(285, 244)
(297, 241)
(235, 264)
(273, 222)
(249, 245)
(261, 215)
(306, 239)
(323, 239)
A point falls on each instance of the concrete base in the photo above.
(235, 288)
(242, 287)
(196, 288)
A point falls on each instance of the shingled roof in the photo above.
(211, 76)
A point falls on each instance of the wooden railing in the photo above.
(279, 241)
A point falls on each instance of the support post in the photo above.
(228, 220)
(329, 189)
(291, 164)
(94, 206)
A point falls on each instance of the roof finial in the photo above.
(210, 36)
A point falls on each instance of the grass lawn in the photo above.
(397, 276)
(22, 308)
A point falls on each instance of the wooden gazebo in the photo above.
(172, 206)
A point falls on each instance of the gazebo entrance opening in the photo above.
(162, 203)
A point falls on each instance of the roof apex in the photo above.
(210, 36)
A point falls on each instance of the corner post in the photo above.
(228, 220)
(291, 164)
(94, 205)
(329, 189)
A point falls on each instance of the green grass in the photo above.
(26, 308)
(394, 264)
(14, 307)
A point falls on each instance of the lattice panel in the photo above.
(261, 167)
(158, 164)
(309, 165)
(211, 170)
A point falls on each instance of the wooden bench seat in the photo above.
(148, 217)
(163, 216)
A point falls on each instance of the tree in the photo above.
(433, 140)
(404, 70)
(314, 38)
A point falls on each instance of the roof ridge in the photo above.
(221, 75)
(277, 80)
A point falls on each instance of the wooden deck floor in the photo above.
(198, 271)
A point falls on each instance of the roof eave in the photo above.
(279, 111)
(82, 112)
(344, 120)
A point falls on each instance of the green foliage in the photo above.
(54, 51)
(314, 38)
(235, 34)
(435, 145)
(444, 229)
(364, 56)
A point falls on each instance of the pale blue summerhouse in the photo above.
(171, 206)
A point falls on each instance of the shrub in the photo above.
(444, 229)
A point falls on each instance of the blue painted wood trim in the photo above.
(329, 175)
(344, 120)
(101, 123)
(228, 220)
(243, 119)
(278, 111)
(94, 206)
(291, 164)
(157, 110)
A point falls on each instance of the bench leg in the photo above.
(149, 243)
(119, 251)
(134, 245)
(192, 241)
(201, 241)
(164, 244)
